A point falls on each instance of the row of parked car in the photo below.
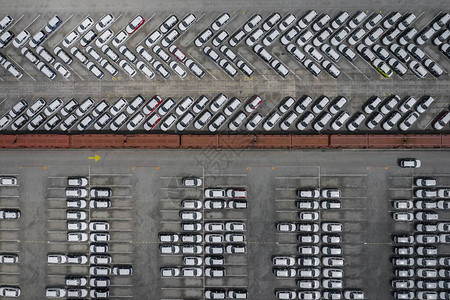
(99, 260)
(7, 257)
(190, 111)
(309, 267)
(9, 213)
(392, 27)
(219, 237)
(430, 272)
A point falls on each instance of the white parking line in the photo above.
(228, 175)
(176, 188)
(295, 177)
(358, 69)
(343, 175)
(75, 72)
(17, 21)
(32, 22)
(3, 100)
(105, 174)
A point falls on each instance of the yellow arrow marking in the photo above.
(96, 157)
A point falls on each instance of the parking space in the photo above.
(197, 240)
(147, 201)
(88, 235)
(418, 265)
(226, 113)
(301, 33)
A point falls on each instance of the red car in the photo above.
(236, 193)
(177, 53)
(253, 103)
(135, 24)
(152, 105)
(152, 122)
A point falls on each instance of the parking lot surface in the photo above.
(147, 191)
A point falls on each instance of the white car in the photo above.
(252, 23)
(104, 22)
(254, 122)
(220, 21)
(203, 37)
(271, 121)
(168, 122)
(186, 22)
(120, 38)
(135, 121)
(21, 39)
(104, 38)
(168, 24)
(153, 38)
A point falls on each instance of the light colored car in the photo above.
(339, 20)
(331, 68)
(321, 22)
(204, 118)
(271, 121)
(119, 38)
(287, 21)
(219, 38)
(408, 121)
(203, 37)
(21, 39)
(104, 38)
(77, 237)
(424, 104)
(254, 37)
(220, 21)
(356, 36)
(254, 122)
(195, 68)
(290, 35)
(271, 37)
(252, 23)
(139, 49)
(36, 39)
(135, 24)
(88, 38)
(6, 22)
(425, 36)
(152, 38)
(307, 19)
(127, 68)
(340, 120)
(231, 106)
(85, 25)
(104, 22)
(187, 21)
(236, 38)
(216, 123)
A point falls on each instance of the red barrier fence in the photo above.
(222, 141)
